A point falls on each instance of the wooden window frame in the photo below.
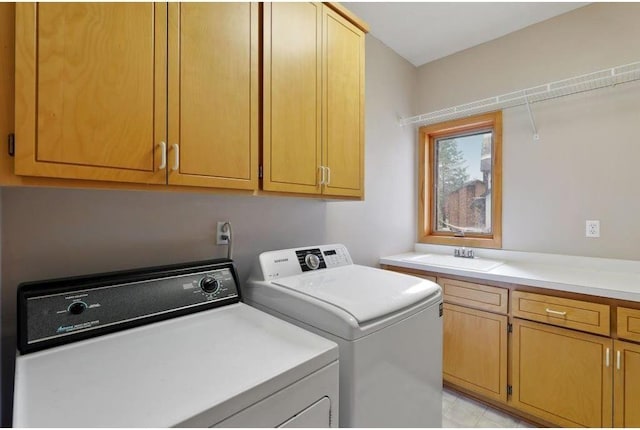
(427, 136)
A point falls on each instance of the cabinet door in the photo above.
(91, 90)
(562, 376)
(475, 351)
(626, 406)
(292, 97)
(343, 106)
(213, 94)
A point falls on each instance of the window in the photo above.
(460, 192)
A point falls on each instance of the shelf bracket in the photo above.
(536, 137)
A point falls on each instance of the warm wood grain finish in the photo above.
(90, 90)
(346, 13)
(343, 106)
(475, 350)
(213, 94)
(578, 314)
(292, 110)
(628, 324)
(561, 375)
(626, 405)
(97, 82)
(473, 295)
(313, 101)
(7, 58)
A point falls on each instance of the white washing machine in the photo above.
(166, 347)
(388, 327)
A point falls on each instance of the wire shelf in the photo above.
(578, 84)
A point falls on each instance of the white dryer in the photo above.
(166, 347)
(388, 327)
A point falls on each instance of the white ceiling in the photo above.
(425, 31)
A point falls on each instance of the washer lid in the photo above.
(364, 292)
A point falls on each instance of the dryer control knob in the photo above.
(76, 308)
(312, 261)
(209, 284)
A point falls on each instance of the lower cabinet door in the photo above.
(562, 376)
(475, 351)
(626, 407)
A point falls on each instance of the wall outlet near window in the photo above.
(592, 228)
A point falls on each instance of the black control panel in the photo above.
(310, 259)
(59, 311)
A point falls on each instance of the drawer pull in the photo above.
(551, 311)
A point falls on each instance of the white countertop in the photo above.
(619, 279)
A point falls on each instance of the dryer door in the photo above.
(317, 415)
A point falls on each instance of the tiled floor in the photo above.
(459, 411)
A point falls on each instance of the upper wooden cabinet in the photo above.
(90, 90)
(213, 95)
(313, 101)
(92, 85)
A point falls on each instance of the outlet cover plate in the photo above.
(592, 228)
(220, 233)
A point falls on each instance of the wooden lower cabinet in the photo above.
(564, 361)
(562, 376)
(475, 351)
(626, 406)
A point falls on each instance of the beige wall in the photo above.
(50, 233)
(382, 224)
(584, 165)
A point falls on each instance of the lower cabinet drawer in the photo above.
(575, 314)
(628, 323)
(478, 296)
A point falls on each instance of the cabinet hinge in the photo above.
(509, 390)
(260, 172)
(509, 328)
(12, 144)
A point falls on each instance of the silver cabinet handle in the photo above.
(618, 360)
(163, 155)
(321, 174)
(550, 311)
(176, 161)
(328, 175)
(607, 361)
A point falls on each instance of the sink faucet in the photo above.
(463, 252)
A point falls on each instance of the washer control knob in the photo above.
(76, 308)
(312, 261)
(209, 284)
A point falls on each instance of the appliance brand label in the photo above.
(70, 328)
(281, 260)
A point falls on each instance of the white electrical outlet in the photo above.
(222, 233)
(592, 228)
